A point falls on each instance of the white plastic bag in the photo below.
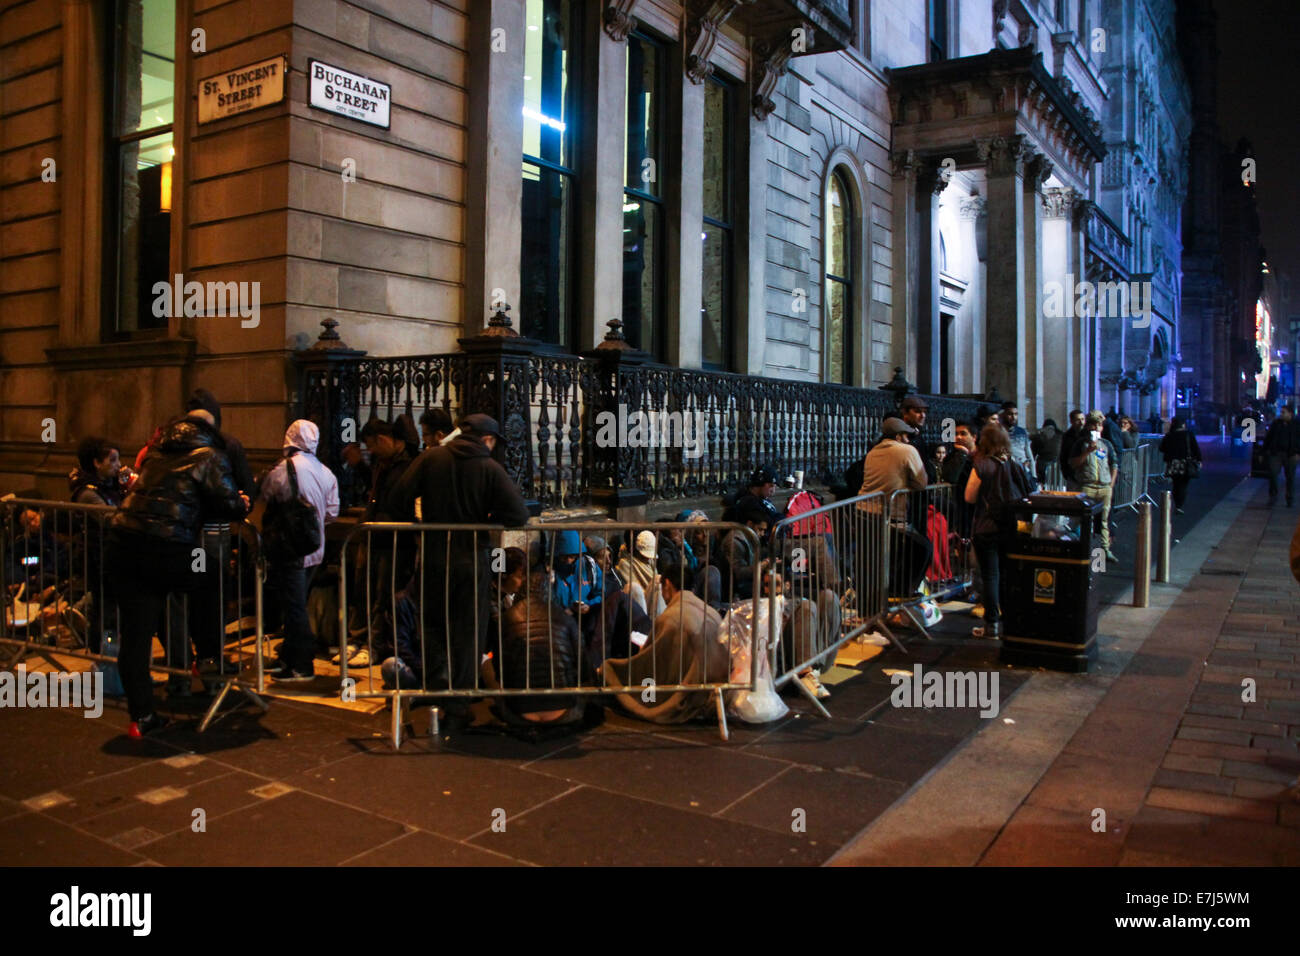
(762, 704)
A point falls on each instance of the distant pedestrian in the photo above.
(1281, 450)
(1068, 441)
(1095, 462)
(1021, 452)
(1046, 447)
(1182, 458)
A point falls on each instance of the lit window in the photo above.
(839, 284)
(717, 236)
(643, 213)
(140, 159)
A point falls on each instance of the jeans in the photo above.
(1180, 483)
(1287, 464)
(988, 552)
(299, 647)
(143, 571)
(459, 598)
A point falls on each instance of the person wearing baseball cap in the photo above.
(913, 411)
(458, 483)
(892, 465)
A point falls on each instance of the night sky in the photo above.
(1258, 99)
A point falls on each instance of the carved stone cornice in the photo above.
(1058, 202)
(1038, 168)
(932, 178)
(618, 19)
(1000, 8)
(704, 22)
(1004, 155)
(770, 62)
(1081, 209)
(903, 162)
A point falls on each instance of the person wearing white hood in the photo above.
(292, 578)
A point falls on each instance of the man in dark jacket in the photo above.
(201, 398)
(1068, 441)
(458, 483)
(1046, 447)
(153, 543)
(1282, 447)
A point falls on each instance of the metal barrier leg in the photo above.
(397, 721)
(237, 685)
(893, 638)
(433, 721)
(722, 713)
(813, 698)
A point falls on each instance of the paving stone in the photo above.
(587, 827)
(1177, 761)
(1080, 783)
(34, 839)
(830, 807)
(428, 849)
(1185, 780)
(1045, 836)
(1211, 804)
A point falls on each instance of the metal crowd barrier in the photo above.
(460, 612)
(1053, 480)
(58, 602)
(929, 549)
(1134, 473)
(830, 584)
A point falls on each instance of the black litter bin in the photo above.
(1049, 600)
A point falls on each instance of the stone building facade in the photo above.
(805, 190)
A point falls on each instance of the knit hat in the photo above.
(646, 545)
(567, 543)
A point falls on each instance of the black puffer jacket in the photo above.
(540, 646)
(185, 480)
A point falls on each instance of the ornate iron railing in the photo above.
(571, 422)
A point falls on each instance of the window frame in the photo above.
(568, 331)
(111, 200)
(731, 138)
(661, 94)
(841, 179)
(943, 52)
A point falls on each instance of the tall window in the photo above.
(141, 152)
(547, 261)
(643, 212)
(838, 310)
(938, 18)
(720, 110)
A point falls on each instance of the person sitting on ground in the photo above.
(894, 465)
(579, 585)
(737, 557)
(638, 570)
(684, 649)
(761, 487)
(506, 587)
(539, 650)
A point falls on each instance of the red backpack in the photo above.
(802, 503)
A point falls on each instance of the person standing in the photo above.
(1095, 465)
(1068, 441)
(1281, 449)
(458, 483)
(913, 412)
(153, 543)
(1179, 449)
(995, 483)
(1045, 444)
(299, 474)
(1021, 452)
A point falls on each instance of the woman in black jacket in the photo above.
(185, 480)
(1179, 448)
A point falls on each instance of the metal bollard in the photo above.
(1142, 559)
(1165, 540)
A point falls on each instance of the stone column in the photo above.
(494, 183)
(906, 258)
(601, 204)
(685, 211)
(1037, 169)
(1083, 334)
(1004, 314)
(930, 184)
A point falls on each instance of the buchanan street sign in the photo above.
(242, 89)
(357, 97)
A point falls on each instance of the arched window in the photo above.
(838, 300)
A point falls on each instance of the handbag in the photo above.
(292, 528)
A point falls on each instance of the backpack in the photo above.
(802, 503)
(292, 528)
(1011, 485)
